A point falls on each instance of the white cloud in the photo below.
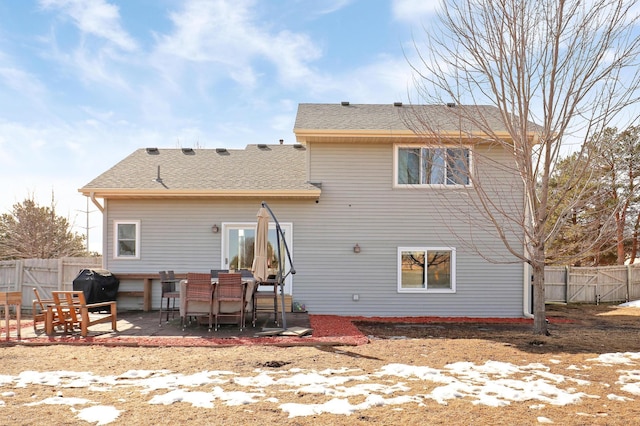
(413, 11)
(96, 68)
(21, 82)
(230, 34)
(386, 79)
(331, 6)
(97, 18)
(102, 45)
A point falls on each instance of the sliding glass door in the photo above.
(238, 241)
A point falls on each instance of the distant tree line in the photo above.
(31, 231)
(600, 215)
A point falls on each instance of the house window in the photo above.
(432, 166)
(127, 237)
(426, 269)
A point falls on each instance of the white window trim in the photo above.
(427, 289)
(396, 148)
(116, 223)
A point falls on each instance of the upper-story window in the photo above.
(434, 166)
(127, 239)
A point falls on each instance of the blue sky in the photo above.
(86, 82)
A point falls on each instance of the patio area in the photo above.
(140, 328)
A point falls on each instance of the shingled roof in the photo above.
(377, 122)
(257, 170)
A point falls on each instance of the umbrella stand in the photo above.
(281, 274)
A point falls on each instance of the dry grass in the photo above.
(583, 333)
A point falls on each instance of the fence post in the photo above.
(19, 274)
(628, 282)
(61, 274)
(566, 284)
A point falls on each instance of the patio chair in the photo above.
(168, 282)
(70, 309)
(265, 299)
(215, 272)
(198, 298)
(39, 310)
(230, 291)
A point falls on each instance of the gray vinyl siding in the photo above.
(176, 234)
(359, 205)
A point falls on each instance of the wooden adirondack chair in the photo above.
(39, 309)
(70, 309)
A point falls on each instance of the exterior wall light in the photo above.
(215, 229)
(356, 248)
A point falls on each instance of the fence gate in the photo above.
(582, 285)
(598, 284)
(45, 275)
(41, 274)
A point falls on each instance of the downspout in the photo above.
(527, 291)
(526, 299)
(100, 207)
(95, 202)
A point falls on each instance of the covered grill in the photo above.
(98, 285)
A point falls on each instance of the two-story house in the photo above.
(373, 213)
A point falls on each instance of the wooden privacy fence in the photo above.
(44, 274)
(565, 284)
(603, 284)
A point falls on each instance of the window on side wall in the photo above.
(432, 166)
(127, 239)
(426, 269)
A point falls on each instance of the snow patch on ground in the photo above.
(493, 383)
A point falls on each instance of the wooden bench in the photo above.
(147, 279)
(130, 293)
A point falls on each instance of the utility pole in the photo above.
(87, 227)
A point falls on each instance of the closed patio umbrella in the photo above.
(259, 267)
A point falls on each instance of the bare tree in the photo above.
(569, 66)
(31, 231)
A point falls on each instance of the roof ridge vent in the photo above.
(398, 104)
(344, 103)
(222, 151)
(299, 146)
(188, 151)
(153, 151)
(451, 104)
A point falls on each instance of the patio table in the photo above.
(8, 299)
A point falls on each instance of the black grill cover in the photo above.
(98, 285)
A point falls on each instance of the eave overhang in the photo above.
(114, 193)
(379, 136)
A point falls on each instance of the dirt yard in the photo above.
(376, 379)
(574, 329)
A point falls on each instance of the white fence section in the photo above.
(44, 274)
(603, 284)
